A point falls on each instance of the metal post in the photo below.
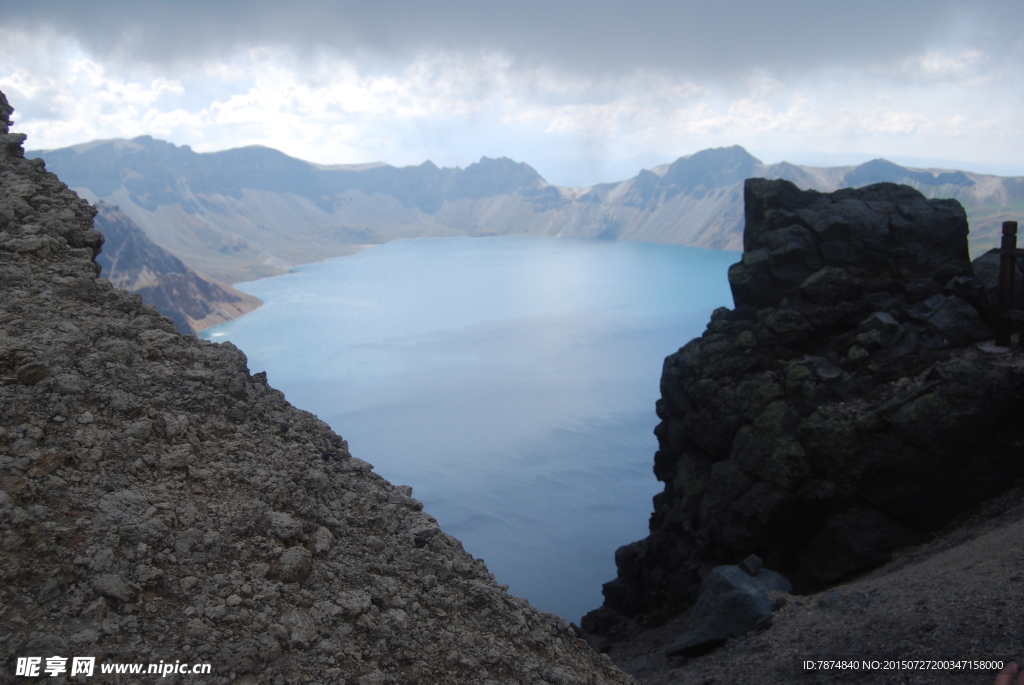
(1007, 271)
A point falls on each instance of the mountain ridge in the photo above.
(252, 212)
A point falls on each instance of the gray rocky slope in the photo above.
(159, 502)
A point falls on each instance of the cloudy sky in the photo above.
(583, 91)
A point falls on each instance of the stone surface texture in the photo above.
(843, 410)
(159, 502)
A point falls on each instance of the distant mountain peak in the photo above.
(505, 165)
(712, 168)
(883, 171)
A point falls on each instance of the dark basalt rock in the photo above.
(885, 237)
(840, 412)
(732, 602)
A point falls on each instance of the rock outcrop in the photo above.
(133, 262)
(840, 412)
(160, 503)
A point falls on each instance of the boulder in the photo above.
(884, 237)
(114, 586)
(296, 563)
(32, 373)
(283, 525)
(732, 602)
(46, 645)
(302, 631)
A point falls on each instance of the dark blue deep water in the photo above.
(510, 381)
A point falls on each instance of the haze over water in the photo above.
(510, 381)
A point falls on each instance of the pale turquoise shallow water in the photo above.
(511, 381)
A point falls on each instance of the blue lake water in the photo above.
(510, 381)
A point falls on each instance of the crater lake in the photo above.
(511, 381)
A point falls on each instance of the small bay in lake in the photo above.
(510, 381)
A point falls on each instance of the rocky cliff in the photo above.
(133, 262)
(841, 411)
(160, 503)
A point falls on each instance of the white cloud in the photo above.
(879, 120)
(968, 67)
(115, 90)
(453, 106)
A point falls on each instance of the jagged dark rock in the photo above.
(159, 503)
(840, 412)
(884, 238)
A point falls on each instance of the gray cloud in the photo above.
(599, 38)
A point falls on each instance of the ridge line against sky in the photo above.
(817, 160)
(584, 92)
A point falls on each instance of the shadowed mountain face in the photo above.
(133, 262)
(252, 212)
